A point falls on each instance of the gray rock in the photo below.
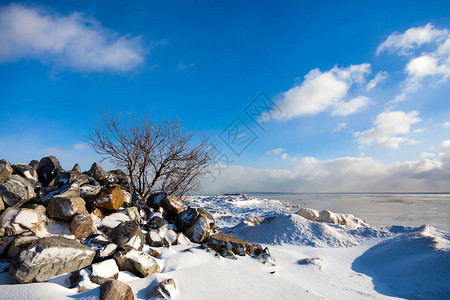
(71, 189)
(128, 235)
(76, 168)
(15, 221)
(164, 290)
(65, 177)
(117, 290)
(48, 168)
(49, 257)
(17, 190)
(64, 207)
(122, 179)
(98, 173)
(5, 170)
(81, 226)
(20, 242)
(25, 171)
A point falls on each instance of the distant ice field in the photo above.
(377, 209)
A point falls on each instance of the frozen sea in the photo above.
(378, 208)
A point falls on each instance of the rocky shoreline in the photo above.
(91, 225)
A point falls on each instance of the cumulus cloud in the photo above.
(390, 130)
(345, 174)
(74, 41)
(433, 63)
(320, 91)
(351, 107)
(275, 151)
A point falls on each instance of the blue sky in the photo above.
(360, 88)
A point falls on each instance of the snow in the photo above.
(313, 260)
(115, 219)
(108, 250)
(105, 269)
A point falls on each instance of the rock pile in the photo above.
(108, 228)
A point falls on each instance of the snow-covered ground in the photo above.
(312, 260)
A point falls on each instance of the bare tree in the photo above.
(156, 156)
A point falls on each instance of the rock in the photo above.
(187, 218)
(25, 171)
(15, 221)
(117, 290)
(76, 168)
(122, 179)
(2, 204)
(17, 190)
(312, 261)
(221, 241)
(98, 173)
(168, 235)
(63, 178)
(5, 170)
(182, 240)
(155, 199)
(108, 250)
(85, 283)
(81, 226)
(153, 238)
(88, 192)
(133, 213)
(4, 244)
(164, 290)
(109, 199)
(49, 257)
(34, 164)
(64, 207)
(126, 199)
(156, 221)
(172, 204)
(128, 235)
(20, 243)
(137, 262)
(253, 221)
(103, 271)
(71, 189)
(48, 168)
(330, 217)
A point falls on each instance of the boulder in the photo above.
(81, 226)
(109, 199)
(64, 207)
(103, 271)
(122, 179)
(88, 192)
(137, 262)
(117, 290)
(15, 221)
(164, 290)
(76, 168)
(221, 241)
(71, 189)
(98, 173)
(155, 199)
(49, 257)
(168, 235)
(48, 168)
(154, 239)
(20, 242)
(126, 199)
(187, 218)
(5, 170)
(34, 164)
(156, 221)
(5, 242)
(65, 177)
(17, 190)
(128, 235)
(25, 171)
(108, 250)
(172, 204)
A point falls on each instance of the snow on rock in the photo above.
(137, 262)
(166, 289)
(104, 271)
(17, 190)
(15, 221)
(108, 250)
(114, 219)
(330, 217)
(49, 257)
(168, 235)
(172, 204)
(412, 265)
(85, 283)
(71, 189)
(128, 235)
(312, 261)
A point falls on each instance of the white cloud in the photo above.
(411, 39)
(380, 77)
(275, 151)
(80, 146)
(344, 174)
(434, 64)
(72, 41)
(391, 129)
(320, 90)
(340, 127)
(354, 105)
(446, 124)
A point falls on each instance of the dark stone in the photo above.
(48, 168)
(34, 164)
(222, 241)
(128, 235)
(25, 171)
(5, 170)
(17, 190)
(63, 178)
(76, 168)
